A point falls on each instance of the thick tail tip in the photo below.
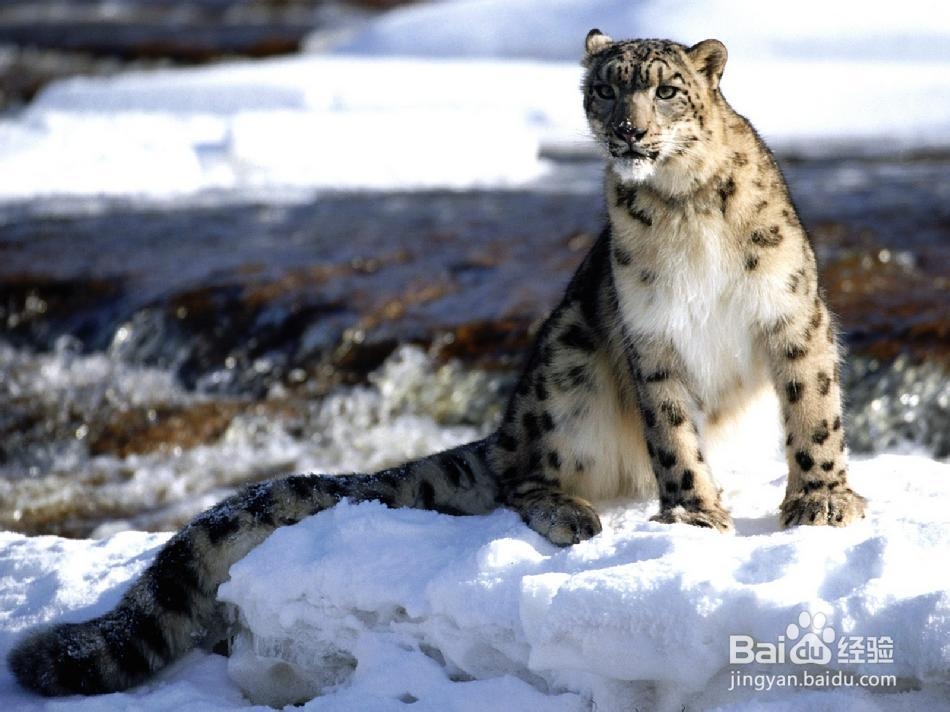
(32, 663)
(61, 660)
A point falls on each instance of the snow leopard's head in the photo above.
(652, 104)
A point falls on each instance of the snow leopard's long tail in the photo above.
(173, 606)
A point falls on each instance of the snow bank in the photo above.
(375, 608)
(300, 123)
(859, 77)
(641, 615)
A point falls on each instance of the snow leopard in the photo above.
(700, 292)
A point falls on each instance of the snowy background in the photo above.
(420, 100)
(377, 609)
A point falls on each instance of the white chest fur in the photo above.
(686, 287)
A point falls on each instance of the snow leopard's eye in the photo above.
(665, 91)
(605, 92)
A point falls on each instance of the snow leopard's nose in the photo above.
(627, 132)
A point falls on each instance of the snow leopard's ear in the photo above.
(595, 42)
(709, 58)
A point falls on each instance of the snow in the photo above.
(518, 28)
(369, 607)
(642, 613)
(302, 122)
(419, 100)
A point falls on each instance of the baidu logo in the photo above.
(811, 641)
(814, 644)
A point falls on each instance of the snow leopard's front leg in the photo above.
(688, 493)
(804, 361)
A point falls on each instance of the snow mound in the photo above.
(368, 606)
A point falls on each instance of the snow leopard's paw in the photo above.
(561, 519)
(712, 516)
(823, 507)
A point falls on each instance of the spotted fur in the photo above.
(173, 606)
(696, 200)
(701, 291)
